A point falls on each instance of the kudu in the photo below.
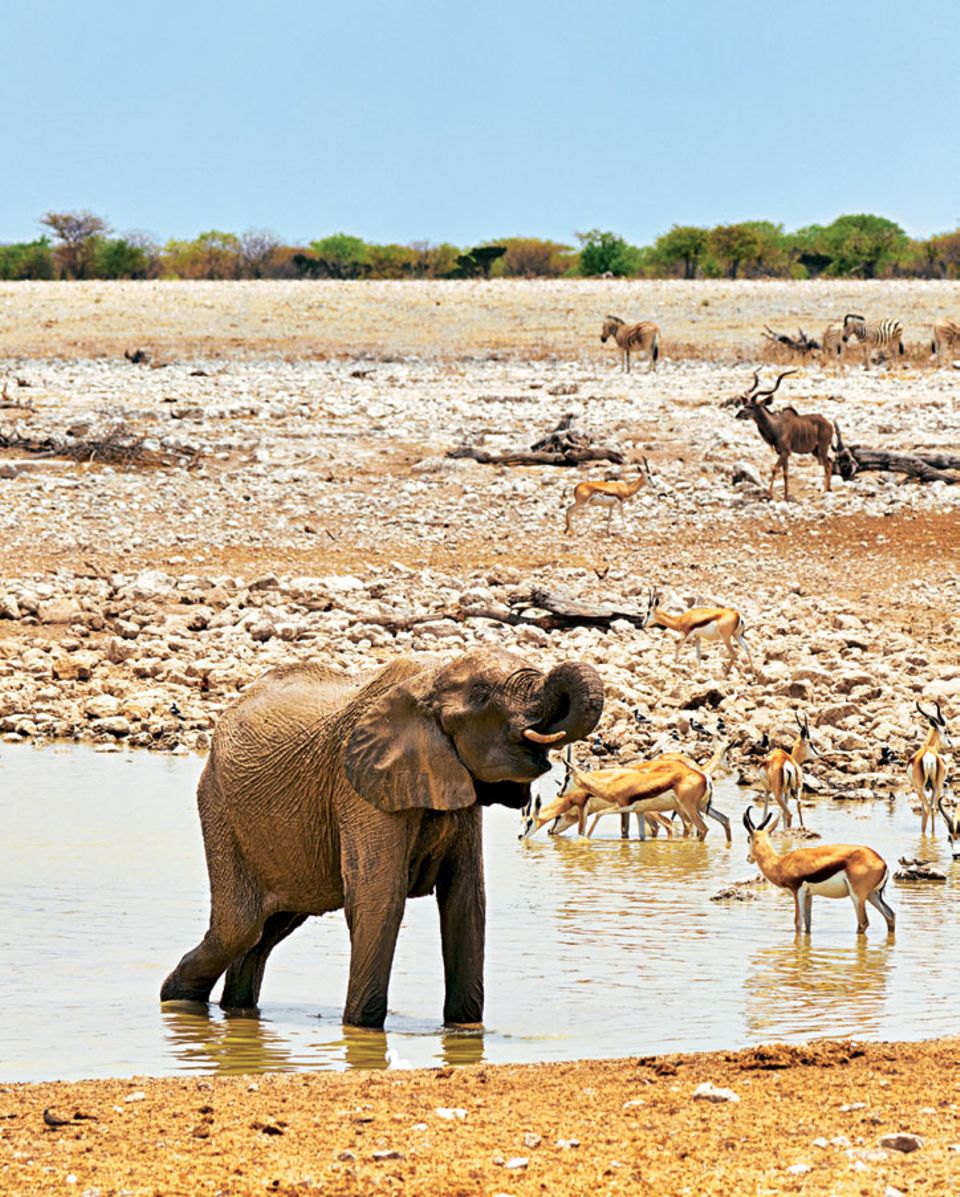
(786, 431)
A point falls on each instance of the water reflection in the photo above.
(209, 1040)
(802, 989)
(221, 1043)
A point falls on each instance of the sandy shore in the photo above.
(808, 1120)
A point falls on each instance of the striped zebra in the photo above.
(831, 344)
(946, 333)
(875, 334)
(642, 338)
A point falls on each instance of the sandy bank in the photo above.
(809, 1119)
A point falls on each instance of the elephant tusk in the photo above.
(543, 737)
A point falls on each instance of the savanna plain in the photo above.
(272, 483)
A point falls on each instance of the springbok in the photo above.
(781, 775)
(946, 333)
(670, 783)
(928, 769)
(702, 623)
(643, 337)
(826, 871)
(786, 431)
(952, 820)
(606, 494)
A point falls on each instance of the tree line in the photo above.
(82, 245)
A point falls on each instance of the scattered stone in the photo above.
(388, 1155)
(710, 1092)
(531, 1139)
(451, 1113)
(901, 1141)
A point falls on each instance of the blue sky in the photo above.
(435, 120)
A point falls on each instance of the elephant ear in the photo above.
(398, 757)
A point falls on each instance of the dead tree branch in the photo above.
(564, 446)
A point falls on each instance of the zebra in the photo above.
(878, 334)
(946, 333)
(643, 337)
(831, 344)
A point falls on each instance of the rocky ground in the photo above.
(829, 1118)
(304, 506)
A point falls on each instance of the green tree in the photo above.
(391, 261)
(732, 245)
(218, 253)
(683, 245)
(26, 260)
(120, 258)
(808, 247)
(607, 253)
(76, 233)
(342, 256)
(477, 262)
(863, 244)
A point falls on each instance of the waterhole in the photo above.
(596, 949)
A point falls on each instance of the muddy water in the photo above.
(594, 949)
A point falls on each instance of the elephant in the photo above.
(324, 791)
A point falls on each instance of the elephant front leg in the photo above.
(374, 922)
(462, 904)
(374, 861)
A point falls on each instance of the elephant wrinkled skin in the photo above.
(325, 791)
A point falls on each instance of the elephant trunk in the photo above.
(569, 705)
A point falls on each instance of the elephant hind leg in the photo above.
(241, 986)
(236, 921)
(199, 970)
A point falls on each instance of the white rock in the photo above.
(710, 1092)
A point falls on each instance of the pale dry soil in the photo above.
(323, 502)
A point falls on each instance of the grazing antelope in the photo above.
(928, 769)
(600, 806)
(946, 333)
(787, 431)
(606, 494)
(826, 871)
(781, 775)
(642, 338)
(665, 784)
(832, 344)
(702, 623)
(875, 334)
(952, 820)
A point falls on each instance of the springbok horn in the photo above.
(925, 714)
(543, 737)
(747, 821)
(939, 712)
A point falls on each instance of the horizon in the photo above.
(532, 121)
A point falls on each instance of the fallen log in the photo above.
(927, 467)
(859, 459)
(548, 610)
(571, 457)
(563, 446)
(801, 343)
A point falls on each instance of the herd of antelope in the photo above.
(672, 786)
